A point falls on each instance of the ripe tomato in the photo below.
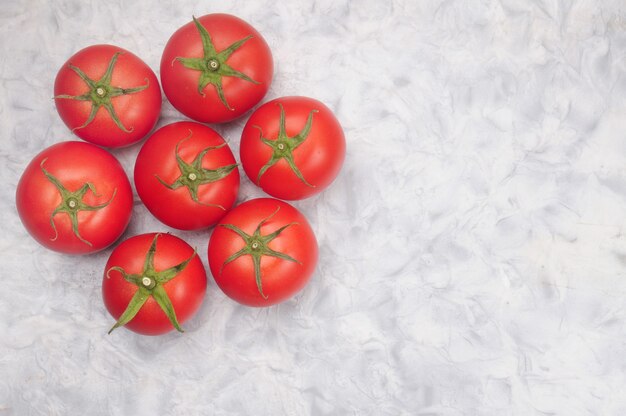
(262, 252)
(153, 283)
(186, 175)
(74, 197)
(216, 68)
(292, 147)
(107, 96)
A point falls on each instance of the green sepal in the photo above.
(72, 203)
(134, 306)
(102, 100)
(201, 176)
(225, 54)
(228, 71)
(130, 278)
(166, 275)
(283, 146)
(160, 295)
(155, 288)
(210, 75)
(207, 43)
(256, 260)
(191, 63)
(148, 264)
(276, 233)
(257, 246)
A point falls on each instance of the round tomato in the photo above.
(186, 175)
(107, 96)
(292, 147)
(262, 252)
(153, 283)
(216, 68)
(74, 197)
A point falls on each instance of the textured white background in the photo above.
(472, 250)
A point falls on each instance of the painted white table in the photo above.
(472, 249)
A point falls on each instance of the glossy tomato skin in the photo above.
(281, 279)
(319, 158)
(138, 111)
(186, 291)
(75, 164)
(176, 207)
(253, 59)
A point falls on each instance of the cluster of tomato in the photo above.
(74, 197)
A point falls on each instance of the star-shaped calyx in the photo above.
(72, 203)
(101, 92)
(213, 64)
(192, 175)
(283, 146)
(257, 246)
(150, 283)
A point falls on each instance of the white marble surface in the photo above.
(473, 252)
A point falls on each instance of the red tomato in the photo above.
(153, 283)
(292, 147)
(107, 96)
(187, 176)
(74, 197)
(262, 252)
(216, 68)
